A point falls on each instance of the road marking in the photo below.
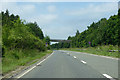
(83, 62)
(49, 55)
(74, 57)
(67, 53)
(41, 62)
(33, 67)
(97, 55)
(27, 71)
(109, 77)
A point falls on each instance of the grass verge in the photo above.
(16, 58)
(0, 67)
(99, 50)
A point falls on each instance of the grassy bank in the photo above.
(99, 50)
(0, 67)
(17, 58)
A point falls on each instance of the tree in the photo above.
(98, 33)
(35, 29)
(77, 33)
(18, 35)
(47, 40)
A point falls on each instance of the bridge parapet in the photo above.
(58, 40)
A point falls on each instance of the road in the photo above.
(105, 65)
(65, 64)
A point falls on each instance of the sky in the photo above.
(59, 20)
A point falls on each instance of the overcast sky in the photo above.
(61, 19)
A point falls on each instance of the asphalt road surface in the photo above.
(105, 65)
(67, 64)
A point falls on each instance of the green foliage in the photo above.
(111, 47)
(35, 30)
(103, 32)
(20, 42)
(47, 40)
(0, 35)
(18, 35)
(98, 50)
(19, 57)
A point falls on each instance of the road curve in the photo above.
(63, 65)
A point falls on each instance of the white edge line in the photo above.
(41, 62)
(108, 57)
(83, 62)
(74, 56)
(27, 71)
(107, 76)
(33, 67)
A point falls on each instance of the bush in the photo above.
(111, 47)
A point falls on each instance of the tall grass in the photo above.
(15, 58)
(99, 50)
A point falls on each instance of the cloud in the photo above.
(60, 25)
(84, 16)
(51, 8)
(119, 5)
(60, 0)
(94, 9)
(59, 32)
(44, 19)
(22, 10)
(47, 18)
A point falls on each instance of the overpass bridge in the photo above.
(59, 40)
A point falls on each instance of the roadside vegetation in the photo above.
(22, 42)
(97, 39)
(0, 33)
(17, 58)
(99, 50)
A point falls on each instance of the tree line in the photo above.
(103, 32)
(17, 34)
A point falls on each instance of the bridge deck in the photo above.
(58, 40)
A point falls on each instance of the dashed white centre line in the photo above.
(74, 56)
(109, 77)
(67, 53)
(83, 62)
